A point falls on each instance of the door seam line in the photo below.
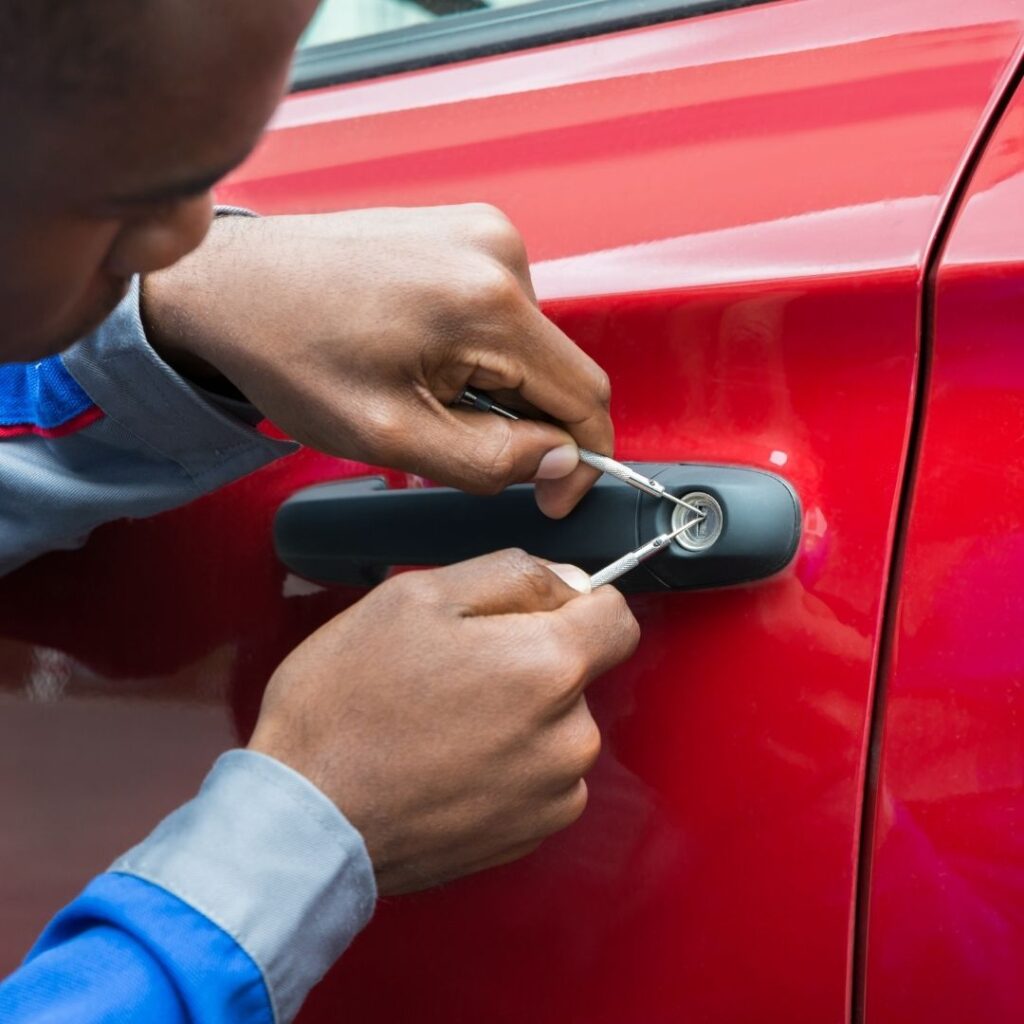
(952, 202)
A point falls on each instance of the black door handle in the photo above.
(354, 531)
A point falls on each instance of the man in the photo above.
(438, 726)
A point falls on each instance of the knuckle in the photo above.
(562, 810)
(576, 669)
(493, 289)
(632, 631)
(481, 209)
(489, 221)
(500, 237)
(570, 669)
(591, 742)
(621, 623)
(483, 292)
(584, 743)
(499, 465)
(534, 580)
(602, 386)
(553, 670)
(385, 433)
(512, 249)
(515, 563)
(574, 804)
(630, 627)
(416, 587)
(626, 624)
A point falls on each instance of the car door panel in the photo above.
(732, 214)
(945, 934)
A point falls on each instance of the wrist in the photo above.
(172, 349)
(172, 327)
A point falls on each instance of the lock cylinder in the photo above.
(706, 530)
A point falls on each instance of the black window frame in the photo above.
(449, 40)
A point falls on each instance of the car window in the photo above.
(338, 20)
(349, 40)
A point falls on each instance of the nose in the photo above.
(158, 240)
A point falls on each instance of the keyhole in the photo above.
(704, 533)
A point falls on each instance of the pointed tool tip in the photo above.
(700, 513)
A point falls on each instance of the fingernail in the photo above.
(558, 462)
(574, 576)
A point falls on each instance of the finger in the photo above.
(557, 498)
(600, 625)
(560, 810)
(556, 493)
(503, 583)
(506, 856)
(573, 575)
(483, 453)
(578, 739)
(555, 377)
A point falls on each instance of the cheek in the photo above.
(53, 287)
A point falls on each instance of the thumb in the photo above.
(484, 454)
(571, 574)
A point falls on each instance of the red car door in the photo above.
(945, 932)
(733, 214)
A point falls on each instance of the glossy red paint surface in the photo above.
(731, 214)
(946, 937)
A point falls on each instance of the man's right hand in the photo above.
(444, 713)
(355, 332)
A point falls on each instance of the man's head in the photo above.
(116, 118)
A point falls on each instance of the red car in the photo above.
(791, 232)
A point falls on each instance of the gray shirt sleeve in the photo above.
(268, 858)
(156, 442)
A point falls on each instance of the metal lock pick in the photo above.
(605, 464)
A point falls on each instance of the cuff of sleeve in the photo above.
(119, 370)
(262, 853)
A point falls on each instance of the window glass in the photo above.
(336, 20)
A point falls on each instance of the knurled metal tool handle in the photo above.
(631, 559)
(610, 573)
(604, 464)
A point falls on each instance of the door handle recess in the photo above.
(354, 531)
